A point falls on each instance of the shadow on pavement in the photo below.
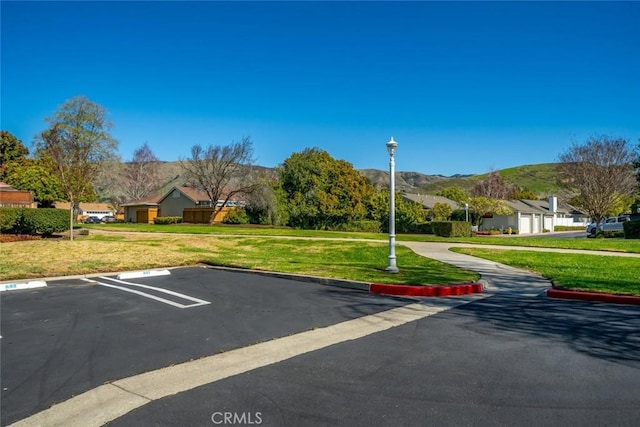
(605, 331)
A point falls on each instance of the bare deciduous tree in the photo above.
(222, 172)
(493, 186)
(600, 172)
(75, 147)
(142, 174)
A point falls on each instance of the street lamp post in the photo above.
(466, 212)
(391, 148)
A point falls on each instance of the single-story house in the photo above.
(184, 201)
(12, 198)
(536, 216)
(85, 210)
(428, 201)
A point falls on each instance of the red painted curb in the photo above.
(426, 291)
(592, 296)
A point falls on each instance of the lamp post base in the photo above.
(392, 268)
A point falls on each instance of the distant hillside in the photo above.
(540, 178)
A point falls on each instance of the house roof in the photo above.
(191, 193)
(428, 201)
(86, 206)
(152, 200)
(541, 207)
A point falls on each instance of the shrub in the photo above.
(568, 228)
(452, 228)
(236, 216)
(32, 221)
(45, 221)
(9, 219)
(631, 229)
(422, 228)
(164, 220)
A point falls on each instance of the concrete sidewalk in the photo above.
(496, 278)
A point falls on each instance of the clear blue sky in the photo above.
(463, 87)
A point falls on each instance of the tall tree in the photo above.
(600, 172)
(481, 206)
(141, 174)
(75, 146)
(493, 186)
(11, 149)
(222, 172)
(32, 175)
(322, 192)
(454, 193)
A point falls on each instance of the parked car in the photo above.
(591, 228)
(109, 218)
(614, 224)
(92, 220)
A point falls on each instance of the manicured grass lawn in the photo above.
(354, 260)
(595, 273)
(611, 244)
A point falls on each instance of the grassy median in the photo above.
(594, 273)
(100, 253)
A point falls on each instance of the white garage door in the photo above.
(525, 224)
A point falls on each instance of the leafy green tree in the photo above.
(11, 149)
(440, 212)
(482, 206)
(522, 193)
(407, 213)
(454, 193)
(322, 192)
(32, 175)
(74, 148)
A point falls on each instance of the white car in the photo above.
(615, 224)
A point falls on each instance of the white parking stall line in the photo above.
(197, 301)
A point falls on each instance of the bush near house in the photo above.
(9, 218)
(631, 229)
(33, 221)
(236, 216)
(163, 220)
(451, 228)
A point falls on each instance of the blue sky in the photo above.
(463, 87)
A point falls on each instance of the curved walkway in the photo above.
(494, 276)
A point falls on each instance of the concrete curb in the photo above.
(426, 291)
(375, 288)
(593, 296)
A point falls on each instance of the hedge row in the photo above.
(631, 229)
(451, 228)
(163, 220)
(33, 221)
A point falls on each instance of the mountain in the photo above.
(539, 178)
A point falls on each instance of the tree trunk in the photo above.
(71, 210)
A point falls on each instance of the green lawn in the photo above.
(99, 253)
(596, 273)
(610, 244)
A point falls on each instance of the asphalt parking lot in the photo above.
(505, 359)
